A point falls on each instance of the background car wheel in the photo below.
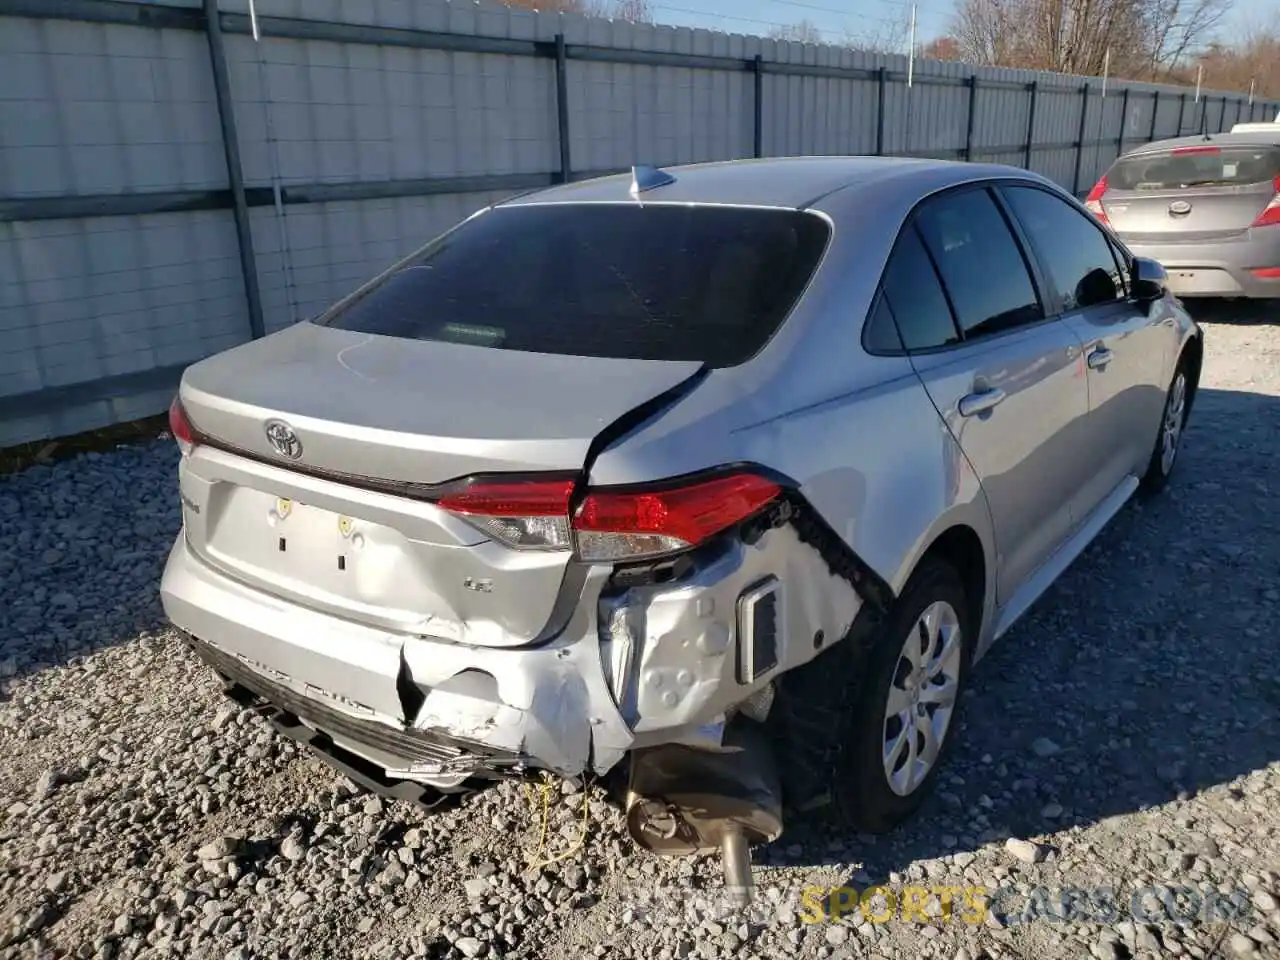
(866, 754)
(1173, 422)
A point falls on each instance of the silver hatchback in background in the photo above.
(1206, 207)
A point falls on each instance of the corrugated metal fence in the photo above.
(170, 186)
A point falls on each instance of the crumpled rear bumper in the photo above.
(636, 666)
(387, 697)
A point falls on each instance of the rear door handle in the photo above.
(981, 402)
(1099, 359)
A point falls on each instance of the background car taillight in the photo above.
(1093, 202)
(624, 524)
(1270, 215)
(180, 427)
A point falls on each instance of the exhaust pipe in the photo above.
(684, 801)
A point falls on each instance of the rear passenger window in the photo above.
(881, 335)
(915, 296)
(1077, 255)
(980, 262)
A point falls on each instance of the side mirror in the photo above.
(1148, 280)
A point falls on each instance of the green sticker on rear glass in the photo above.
(471, 333)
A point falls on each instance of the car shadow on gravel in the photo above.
(1237, 312)
(1137, 681)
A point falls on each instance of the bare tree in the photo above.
(1179, 28)
(1252, 59)
(888, 35)
(636, 11)
(1143, 39)
(806, 31)
(987, 31)
(553, 6)
(942, 48)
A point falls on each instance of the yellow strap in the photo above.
(537, 858)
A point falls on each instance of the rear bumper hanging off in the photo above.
(639, 664)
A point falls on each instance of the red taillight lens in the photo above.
(624, 525)
(1093, 202)
(527, 514)
(1267, 273)
(180, 427)
(609, 524)
(1270, 216)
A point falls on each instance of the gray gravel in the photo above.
(1126, 735)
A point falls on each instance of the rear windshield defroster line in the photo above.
(643, 282)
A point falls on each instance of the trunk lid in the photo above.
(416, 411)
(1190, 194)
(367, 407)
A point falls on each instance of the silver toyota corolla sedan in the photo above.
(729, 471)
(1206, 207)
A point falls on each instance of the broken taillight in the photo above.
(180, 427)
(623, 525)
(528, 514)
(610, 524)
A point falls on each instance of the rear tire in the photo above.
(849, 753)
(1173, 422)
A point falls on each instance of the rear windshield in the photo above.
(1234, 166)
(646, 282)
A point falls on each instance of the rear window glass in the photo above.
(643, 281)
(1196, 167)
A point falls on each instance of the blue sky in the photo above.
(835, 17)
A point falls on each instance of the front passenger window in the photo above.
(1077, 255)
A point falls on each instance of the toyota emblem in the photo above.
(1179, 208)
(283, 440)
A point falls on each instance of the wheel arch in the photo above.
(961, 548)
(1193, 356)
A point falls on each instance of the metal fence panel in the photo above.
(145, 206)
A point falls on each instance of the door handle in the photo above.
(981, 402)
(1099, 359)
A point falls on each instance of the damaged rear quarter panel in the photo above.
(881, 467)
(874, 459)
(676, 647)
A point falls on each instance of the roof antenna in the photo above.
(645, 177)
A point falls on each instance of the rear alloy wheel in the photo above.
(867, 732)
(1169, 440)
(922, 698)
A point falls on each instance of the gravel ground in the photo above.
(1122, 742)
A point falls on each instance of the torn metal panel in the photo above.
(549, 703)
(681, 643)
(650, 664)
